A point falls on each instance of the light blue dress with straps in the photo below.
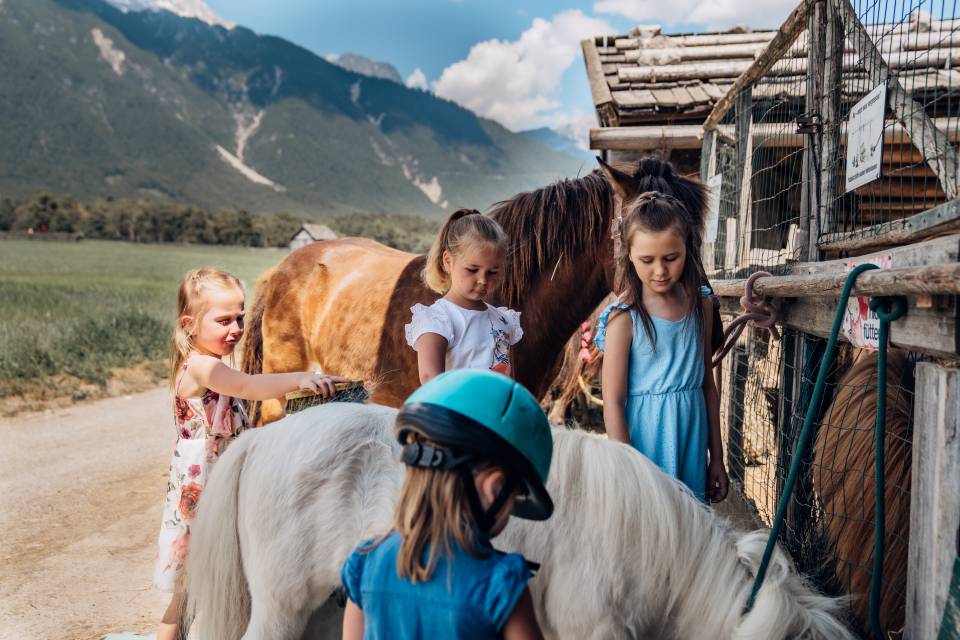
(666, 410)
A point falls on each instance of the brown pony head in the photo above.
(653, 174)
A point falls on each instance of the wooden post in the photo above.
(932, 143)
(735, 409)
(708, 166)
(744, 120)
(833, 39)
(935, 498)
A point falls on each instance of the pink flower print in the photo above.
(212, 446)
(222, 423)
(182, 410)
(193, 471)
(185, 433)
(178, 549)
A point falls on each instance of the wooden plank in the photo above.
(830, 116)
(738, 381)
(642, 98)
(598, 84)
(665, 97)
(929, 331)
(708, 167)
(809, 230)
(698, 94)
(897, 153)
(730, 245)
(939, 154)
(932, 279)
(940, 251)
(784, 38)
(934, 499)
(643, 138)
(744, 122)
(940, 219)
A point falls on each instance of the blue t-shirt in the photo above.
(467, 597)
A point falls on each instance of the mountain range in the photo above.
(100, 100)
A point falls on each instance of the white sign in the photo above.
(860, 324)
(714, 184)
(865, 138)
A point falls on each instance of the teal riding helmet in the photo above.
(477, 415)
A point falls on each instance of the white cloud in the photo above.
(515, 82)
(711, 14)
(417, 80)
(576, 126)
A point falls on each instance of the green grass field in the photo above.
(78, 310)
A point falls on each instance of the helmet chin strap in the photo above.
(485, 518)
(418, 454)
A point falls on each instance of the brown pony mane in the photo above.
(545, 225)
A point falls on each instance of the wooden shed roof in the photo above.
(648, 77)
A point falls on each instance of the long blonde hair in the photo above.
(191, 301)
(433, 512)
(463, 226)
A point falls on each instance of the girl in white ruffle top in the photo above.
(461, 330)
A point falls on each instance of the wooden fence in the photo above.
(777, 146)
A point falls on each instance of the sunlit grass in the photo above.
(83, 308)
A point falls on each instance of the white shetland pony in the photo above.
(628, 553)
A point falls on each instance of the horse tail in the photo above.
(218, 597)
(786, 605)
(253, 340)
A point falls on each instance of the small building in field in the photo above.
(311, 233)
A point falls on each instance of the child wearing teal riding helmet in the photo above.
(478, 448)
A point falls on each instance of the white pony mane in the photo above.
(628, 552)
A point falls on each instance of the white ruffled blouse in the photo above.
(476, 339)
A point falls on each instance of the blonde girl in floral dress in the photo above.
(207, 413)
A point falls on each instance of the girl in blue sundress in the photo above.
(656, 346)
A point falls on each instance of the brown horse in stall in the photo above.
(843, 478)
(340, 305)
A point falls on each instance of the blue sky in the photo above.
(517, 62)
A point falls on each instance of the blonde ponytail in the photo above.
(191, 302)
(461, 227)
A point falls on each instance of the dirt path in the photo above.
(80, 499)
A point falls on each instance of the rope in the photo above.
(887, 309)
(805, 432)
(760, 311)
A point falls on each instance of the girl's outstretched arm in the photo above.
(717, 481)
(352, 622)
(522, 623)
(616, 360)
(431, 355)
(208, 372)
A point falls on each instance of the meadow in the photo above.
(79, 318)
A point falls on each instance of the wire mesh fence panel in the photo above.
(783, 153)
(759, 155)
(916, 44)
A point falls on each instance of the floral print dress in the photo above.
(205, 426)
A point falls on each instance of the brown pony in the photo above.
(843, 478)
(340, 305)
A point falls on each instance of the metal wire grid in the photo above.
(759, 218)
(920, 42)
(829, 526)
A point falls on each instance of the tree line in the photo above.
(153, 221)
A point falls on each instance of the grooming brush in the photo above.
(352, 391)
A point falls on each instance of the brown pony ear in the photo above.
(621, 181)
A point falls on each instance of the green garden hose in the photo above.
(887, 310)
